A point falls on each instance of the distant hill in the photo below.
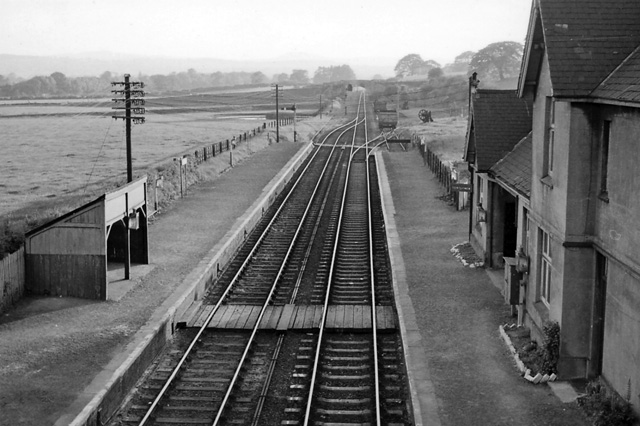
(95, 63)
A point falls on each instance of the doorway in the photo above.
(510, 237)
(599, 304)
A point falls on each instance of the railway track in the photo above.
(300, 327)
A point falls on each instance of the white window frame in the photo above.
(549, 138)
(546, 261)
(604, 158)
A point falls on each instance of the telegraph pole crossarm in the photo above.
(133, 102)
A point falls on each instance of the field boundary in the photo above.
(209, 151)
(449, 176)
(12, 279)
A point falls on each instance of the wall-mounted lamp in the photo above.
(134, 221)
(482, 214)
(522, 261)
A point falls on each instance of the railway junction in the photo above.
(331, 300)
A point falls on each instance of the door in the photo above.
(599, 304)
(510, 236)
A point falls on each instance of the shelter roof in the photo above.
(65, 217)
(499, 120)
(118, 208)
(514, 169)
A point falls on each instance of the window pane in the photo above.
(604, 156)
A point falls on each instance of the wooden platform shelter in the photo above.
(69, 256)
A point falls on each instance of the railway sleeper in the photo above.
(342, 377)
(184, 420)
(344, 401)
(348, 350)
(346, 367)
(361, 388)
(348, 289)
(347, 410)
(348, 359)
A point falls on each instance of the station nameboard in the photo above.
(461, 187)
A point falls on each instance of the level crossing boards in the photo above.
(294, 317)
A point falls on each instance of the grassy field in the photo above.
(60, 154)
(46, 157)
(58, 147)
(445, 135)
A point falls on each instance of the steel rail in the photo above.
(154, 405)
(265, 388)
(283, 265)
(328, 291)
(374, 322)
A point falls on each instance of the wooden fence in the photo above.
(209, 151)
(440, 169)
(12, 281)
(445, 176)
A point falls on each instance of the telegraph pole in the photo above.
(133, 103)
(398, 104)
(277, 116)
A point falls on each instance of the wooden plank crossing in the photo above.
(295, 317)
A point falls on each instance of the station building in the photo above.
(579, 230)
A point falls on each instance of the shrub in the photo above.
(550, 350)
(605, 407)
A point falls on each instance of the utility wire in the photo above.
(97, 157)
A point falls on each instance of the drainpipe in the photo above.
(490, 209)
(473, 85)
(471, 198)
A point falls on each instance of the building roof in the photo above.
(623, 84)
(585, 40)
(499, 119)
(514, 169)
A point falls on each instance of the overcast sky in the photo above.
(261, 29)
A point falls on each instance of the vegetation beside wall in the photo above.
(605, 407)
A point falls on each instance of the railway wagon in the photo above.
(387, 119)
(379, 105)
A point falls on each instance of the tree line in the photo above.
(496, 61)
(57, 85)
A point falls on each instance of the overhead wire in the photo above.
(97, 157)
